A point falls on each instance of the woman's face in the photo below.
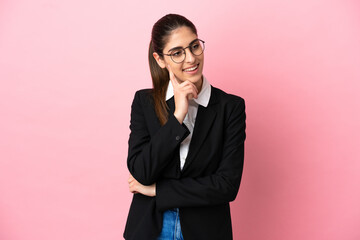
(192, 66)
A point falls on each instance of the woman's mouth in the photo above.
(192, 70)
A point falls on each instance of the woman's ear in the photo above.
(159, 60)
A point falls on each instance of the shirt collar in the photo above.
(203, 97)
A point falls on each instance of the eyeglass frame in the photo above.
(183, 49)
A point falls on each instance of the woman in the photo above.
(186, 146)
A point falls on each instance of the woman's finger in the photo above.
(172, 77)
(132, 187)
(188, 83)
(195, 90)
(130, 179)
(190, 89)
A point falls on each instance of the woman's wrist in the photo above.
(179, 117)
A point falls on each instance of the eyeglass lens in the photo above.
(196, 48)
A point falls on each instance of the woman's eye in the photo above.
(176, 53)
(195, 46)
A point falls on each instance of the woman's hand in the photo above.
(183, 92)
(136, 187)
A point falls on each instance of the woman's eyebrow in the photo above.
(182, 47)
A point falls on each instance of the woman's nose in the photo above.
(189, 56)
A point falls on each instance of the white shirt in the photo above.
(190, 118)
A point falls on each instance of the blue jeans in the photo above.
(171, 229)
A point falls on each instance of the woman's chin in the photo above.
(193, 77)
(196, 80)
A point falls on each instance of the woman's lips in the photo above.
(192, 69)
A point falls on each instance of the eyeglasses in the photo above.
(178, 55)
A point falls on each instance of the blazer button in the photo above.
(177, 138)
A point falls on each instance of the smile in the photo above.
(192, 68)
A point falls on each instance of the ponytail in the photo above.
(160, 79)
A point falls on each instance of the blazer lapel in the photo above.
(204, 120)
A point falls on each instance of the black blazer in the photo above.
(210, 178)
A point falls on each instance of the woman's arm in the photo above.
(149, 155)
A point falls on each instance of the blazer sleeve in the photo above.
(149, 155)
(218, 188)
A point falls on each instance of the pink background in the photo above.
(69, 70)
